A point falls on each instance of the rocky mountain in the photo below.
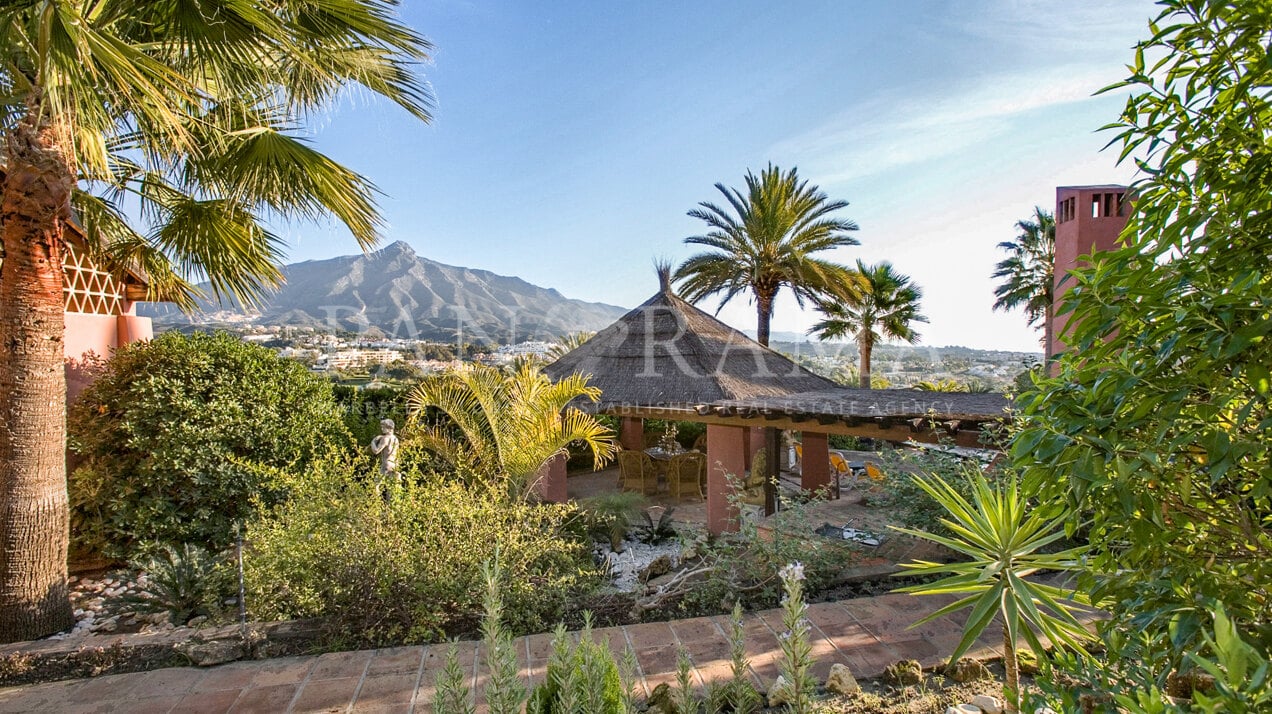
(404, 295)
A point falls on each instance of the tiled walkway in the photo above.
(867, 634)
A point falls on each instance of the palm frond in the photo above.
(765, 240)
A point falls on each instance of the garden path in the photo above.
(867, 634)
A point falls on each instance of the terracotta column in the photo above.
(815, 472)
(550, 484)
(631, 433)
(726, 454)
(131, 328)
(755, 441)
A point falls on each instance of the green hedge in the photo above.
(178, 436)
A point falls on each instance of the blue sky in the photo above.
(570, 138)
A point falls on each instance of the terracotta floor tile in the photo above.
(176, 680)
(284, 670)
(265, 700)
(385, 689)
(217, 702)
(696, 630)
(396, 660)
(340, 665)
(326, 695)
(650, 634)
(227, 676)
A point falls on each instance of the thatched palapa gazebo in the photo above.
(667, 359)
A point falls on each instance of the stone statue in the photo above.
(385, 448)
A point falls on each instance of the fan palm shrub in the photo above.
(879, 304)
(505, 427)
(1003, 540)
(171, 129)
(767, 242)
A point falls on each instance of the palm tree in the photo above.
(767, 242)
(184, 115)
(568, 343)
(506, 427)
(939, 385)
(1028, 272)
(880, 305)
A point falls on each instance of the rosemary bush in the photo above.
(797, 653)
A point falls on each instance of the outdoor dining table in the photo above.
(662, 459)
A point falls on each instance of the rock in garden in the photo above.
(780, 693)
(967, 670)
(906, 672)
(658, 566)
(987, 704)
(841, 681)
(206, 654)
(196, 621)
(962, 709)
(659, 701)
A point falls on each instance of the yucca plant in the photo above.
(1003, 539)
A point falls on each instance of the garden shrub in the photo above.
(171, 433)
(410, 570)
(1156, 428)
(364, 408)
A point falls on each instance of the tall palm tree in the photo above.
(183, 115)
(1028, 272)
(766, 243)
(881, 305)
(506, 426)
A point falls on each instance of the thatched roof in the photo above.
(668, 353)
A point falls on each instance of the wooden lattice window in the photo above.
(87, 288)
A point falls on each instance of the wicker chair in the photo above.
(636, 472)
(684, 474)
(700, 444)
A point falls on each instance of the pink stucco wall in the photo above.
(100, 335)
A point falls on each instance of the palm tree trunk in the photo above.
(865, 347)
(33, 504)
(1013, 672)
(764, 315)
(1049, 338)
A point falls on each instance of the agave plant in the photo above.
(1003, 540)
(184, 582)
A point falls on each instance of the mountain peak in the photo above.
(396, 249)
(411, 297)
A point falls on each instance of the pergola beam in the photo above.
(967, 434)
